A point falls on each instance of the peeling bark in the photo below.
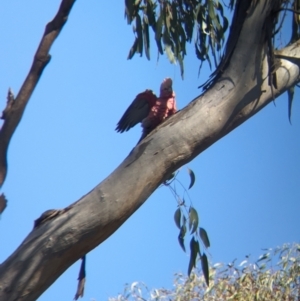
(238, 91)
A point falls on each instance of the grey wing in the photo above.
(136, 112)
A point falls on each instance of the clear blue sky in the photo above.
(247, 189)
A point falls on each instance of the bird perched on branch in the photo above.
(149, 109)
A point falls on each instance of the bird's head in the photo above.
(166, 87)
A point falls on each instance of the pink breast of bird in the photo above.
(164, 107)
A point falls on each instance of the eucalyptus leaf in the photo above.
(193, 220)
(151, 14)
(133, 49)
(225, 24)
(159, 26)
(192, 177)
(177, 217)
(146, 39)
(180, 60)
(205, 269)
(263, 257)
(290, 93)
(183, 220)
(204, 237)
(181, 236)
(194, 250)
(129, 4)
(139, 31)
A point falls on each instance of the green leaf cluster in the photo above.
(176, 23)
(198, 235)
(187, 221)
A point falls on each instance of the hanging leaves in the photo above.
(181, 217)
(177, 22)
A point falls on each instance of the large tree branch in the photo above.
(238, 93)
(14, 110)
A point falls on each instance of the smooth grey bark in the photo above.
(239, 91)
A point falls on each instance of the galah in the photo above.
(149, 110)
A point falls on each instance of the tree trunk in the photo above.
(239, 89)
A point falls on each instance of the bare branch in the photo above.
(14, 110)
